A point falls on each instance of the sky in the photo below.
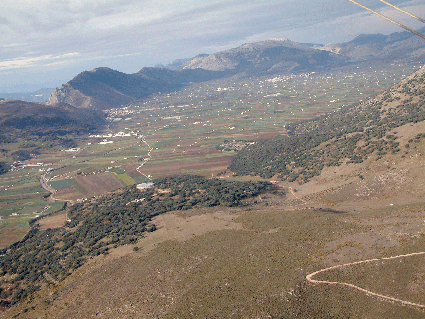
(45, 43)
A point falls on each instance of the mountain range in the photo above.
(378, 47)
(104, 88)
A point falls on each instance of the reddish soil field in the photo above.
(214, 166)
(98, 184)
(131, 169)
(53, 221)
(68, 193)
(20, 195)
(64, 191)
(10, 235)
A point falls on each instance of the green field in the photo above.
(127, 180)
(61, 183)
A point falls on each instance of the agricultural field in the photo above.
(178, 133)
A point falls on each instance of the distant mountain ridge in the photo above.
(104, 88)
(392, 47)
(19, 118)
(274, 55)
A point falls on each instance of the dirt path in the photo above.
(293, 194)
(368, 292)
(291, 190)
(145, 160)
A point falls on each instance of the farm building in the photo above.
(144, 185)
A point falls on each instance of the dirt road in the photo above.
(310, 279)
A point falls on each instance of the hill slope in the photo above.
(31, 121)
(96, 226)
(19, 117)
(350, 135)
(250, 261)
(104, 88)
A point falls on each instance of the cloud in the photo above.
(356, 21)
(45, 60)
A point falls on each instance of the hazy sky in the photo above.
(45, 43)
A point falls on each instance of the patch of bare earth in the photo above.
(180, 226)
(53, 221)
(10, 235)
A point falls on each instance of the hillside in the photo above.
(39, 122)
(367, 131)
(104, 88)
(223, 262)
(34, 118)
(96, 226)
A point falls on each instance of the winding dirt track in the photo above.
(146, 159)
(291, 190)
(387, 298)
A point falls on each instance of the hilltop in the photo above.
(104, 88)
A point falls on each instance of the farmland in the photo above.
(176, 133)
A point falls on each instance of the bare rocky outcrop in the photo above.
(100, 89)
(67, 94)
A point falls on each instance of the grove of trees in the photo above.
(110, 221)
